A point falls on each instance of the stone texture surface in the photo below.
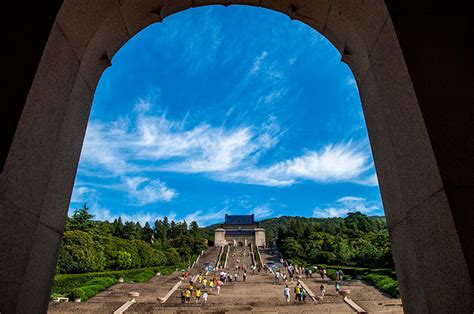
(443, 79)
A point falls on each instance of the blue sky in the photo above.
(226, 110)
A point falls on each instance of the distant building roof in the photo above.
(239, 220)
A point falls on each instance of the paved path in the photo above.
(258, 294)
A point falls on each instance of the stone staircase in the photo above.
(257, 294)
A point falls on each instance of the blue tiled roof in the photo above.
(239, 219)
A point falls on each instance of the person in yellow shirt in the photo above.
(187, 295)
(211, 285)
(198, 296)
(200, 278)
(204, 284)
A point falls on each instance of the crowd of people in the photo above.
(295, 271)
(198, 292)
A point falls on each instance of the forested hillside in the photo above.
(91, 246)
(357, 240)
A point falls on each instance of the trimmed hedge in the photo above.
(384, 283)
(63, 284)
(331, 273)
(382, 278)
(361, 271)
(86, 292)
(144, 276)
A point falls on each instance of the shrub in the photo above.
(384, 283)
(361, 271)
(105, 281)
(92, 290)
(54, 296)
(144, 276)
(63, 284)
(77, 293)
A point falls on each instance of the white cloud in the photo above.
(82, 194)
(149, 143)
(117, 148)
(258, 63)
(329, 212)
(141, 217)
(345, 205)
(263, 211)
(145, 191)
(205, 218)
(346, 199)
(344, 162)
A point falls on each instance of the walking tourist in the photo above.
(322, 290)
(244, 276)
(338, 288)
(187, 295)
(297, 292)
(198, 296)
(183, 297)
(211, 286)
(204, 297)
(286, 293)
(341, 275)
(303, 295)
(235, 277)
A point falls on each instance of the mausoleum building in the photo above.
(239, 230)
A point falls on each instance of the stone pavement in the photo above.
(258, 294)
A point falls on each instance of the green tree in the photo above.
(81, 220)
(80, 253)
(147, 233)
(291, 248)
(124, 260)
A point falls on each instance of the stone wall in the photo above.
(219, 237)
(259, 237)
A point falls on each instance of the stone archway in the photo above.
(38, 175)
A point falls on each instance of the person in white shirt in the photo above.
(286, 293)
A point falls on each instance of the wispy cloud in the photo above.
(345, 205)
(141, 217)
(262, 211)
(207, 217)
(230, 155)
(118, 148)
(82, 194)
(347, 199)
(258, 63)
(343, 162)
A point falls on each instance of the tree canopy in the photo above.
(90, 245)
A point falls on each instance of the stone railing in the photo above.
(252, 252)
(218, 263)
(226, 256)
